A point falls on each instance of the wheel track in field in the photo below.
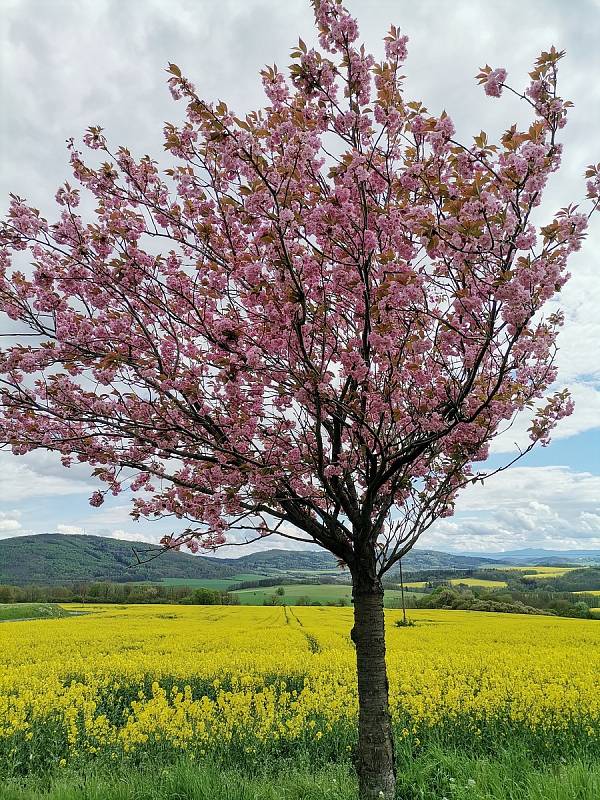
(312, 641)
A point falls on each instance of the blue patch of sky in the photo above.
(581, 453)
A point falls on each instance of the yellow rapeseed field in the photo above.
(250, 682)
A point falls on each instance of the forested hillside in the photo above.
(317, 560)
(60, 558)
(57, 557)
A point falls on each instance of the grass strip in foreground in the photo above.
(434, 775)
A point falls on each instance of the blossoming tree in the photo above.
(311, 325)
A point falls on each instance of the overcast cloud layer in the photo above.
(68, 64)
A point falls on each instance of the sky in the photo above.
(69, 64)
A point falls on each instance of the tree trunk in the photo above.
(375, 758)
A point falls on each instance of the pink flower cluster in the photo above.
(495, 82)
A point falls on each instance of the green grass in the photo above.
(320, 593)
(508, 774)
(224, 584)
(431, 774)
(185, 781)
(14, 611)
(220, 584)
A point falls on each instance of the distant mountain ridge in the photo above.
(55, 558)
(538, 556)
(322, 560)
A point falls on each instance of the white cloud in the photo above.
(586, 417)
(134, 536)
(554, 487)
(9, 523)
(69, 529)
(38, 474)
(589, 522)
(553, 507)
(106, 516)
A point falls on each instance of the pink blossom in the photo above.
(396, 49)
(97, 499)
(494, 83)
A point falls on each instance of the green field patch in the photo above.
(307, 593)
(434, 770)
(316, 572)
(219, 584)
(16, 611)
(321, 593)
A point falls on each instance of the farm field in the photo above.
(219, 584)
(315, 593)
(129, 690)
(483, 582)
(545, 570)
(491, 584)
(321, 593)
(551, 573)
(536, 572)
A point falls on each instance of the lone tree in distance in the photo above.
(312, 325)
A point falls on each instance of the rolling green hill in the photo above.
(537, 556)
(54, 558)
(274, 561)
(60, 558)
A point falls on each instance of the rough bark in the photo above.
(375, 757)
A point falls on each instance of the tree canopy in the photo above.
(312, 323)
(323, 312)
